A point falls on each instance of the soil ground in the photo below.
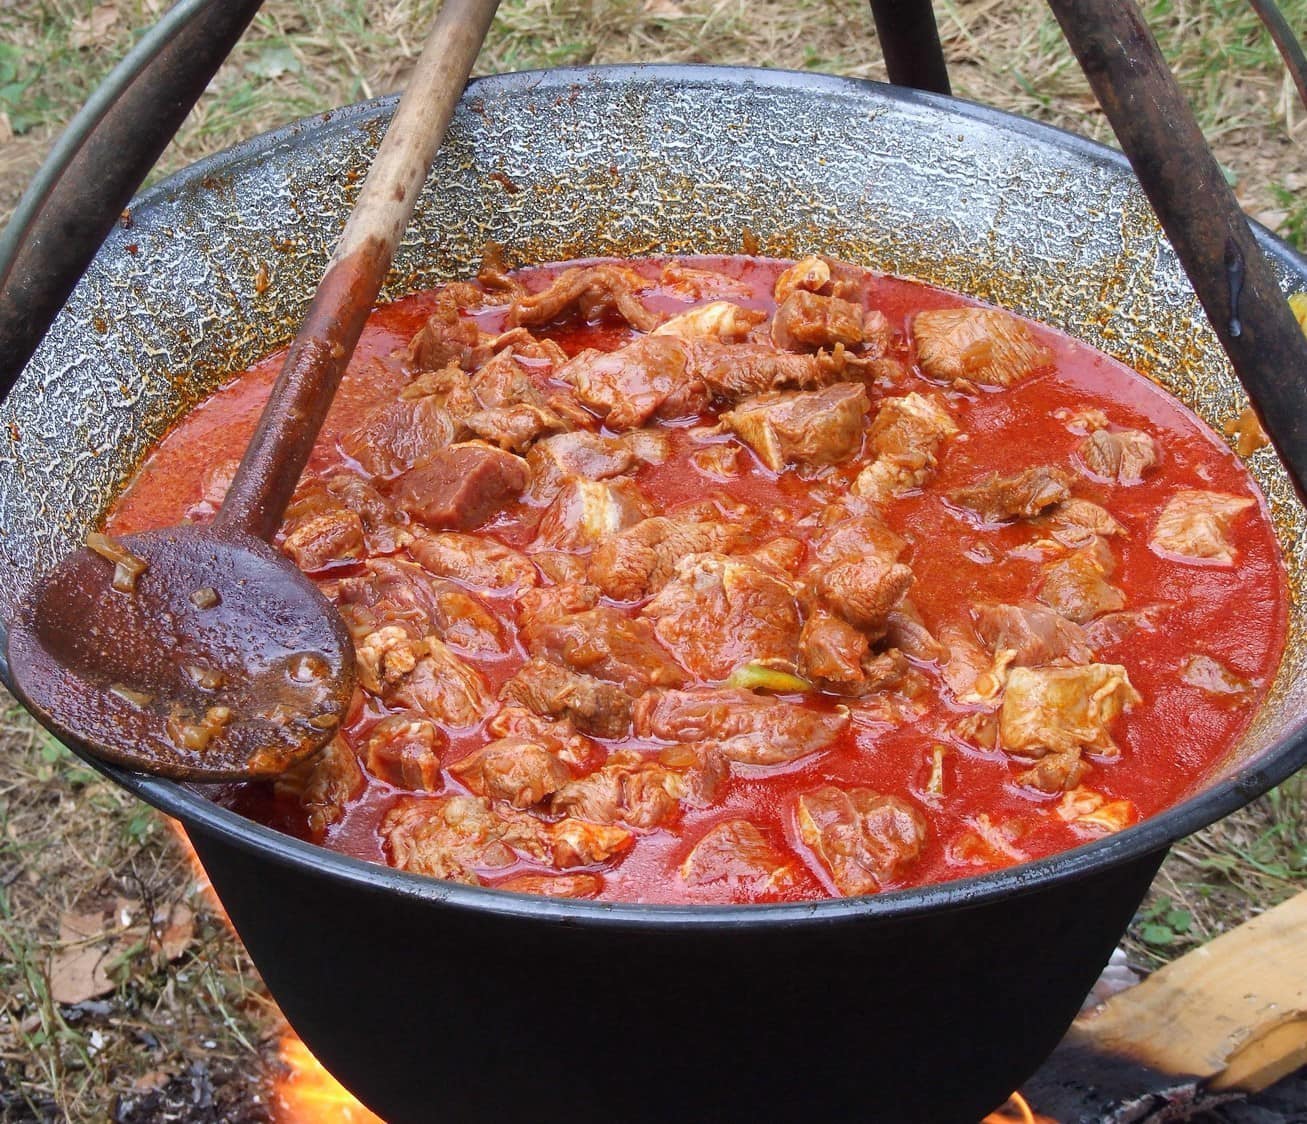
(122, 995)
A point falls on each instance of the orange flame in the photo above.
(1017, 1111)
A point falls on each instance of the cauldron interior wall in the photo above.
(489, 988)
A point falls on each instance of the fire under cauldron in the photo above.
(433, 1000)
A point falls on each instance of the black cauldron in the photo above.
(435, 1001)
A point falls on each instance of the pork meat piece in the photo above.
(510, 379)
(1123, 455)
(806, 320)
(382, 531)
(781, 555)
(447, 336)
(591, 705)
(449, 837)
(719, 613)
(384, 657)
(558, 735)
(466, 625)
(325, 539)
(863, 592)
(997, 499)
(322, 785)
(736, 857)
(734, 371)
(514, 428)
(583, 885)
(589, 456)
(746, 728)
(1077, 587)
(853, 537)
(641, 560)
(804, 428)
(586, 513)
(638, 791)
(404, 751)
(1213, 678)
(552, 603)
(449, 388)
(1055, 772)
(1193, 527)
(476, 561)
(398, 435)
(1054, 710)
(388, 591)
(461, 486)
(690, 284)
(831, 652)
(495, 274)
(572, 842)
(906, 631)
(592, 291)
(1077, 523)
(977, 345)
(512, 769)
(861, 839)
(810, 275)
(905, 441)
(443, 687)
(651, 377)
(604, 643)
(1036, 635)
(720, 320)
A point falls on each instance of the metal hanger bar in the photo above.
(1295, 62)
(1198, 211)
(909, 39)
(98, 164)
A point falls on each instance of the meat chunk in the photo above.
(448, 837)
(586, 513)
(1054, 710)
(977, 345)
(651, 377)
(1077, 522)
(396, 436)
(593, 291)
(404, 751)
(381, 524)
(720, 320)
(733, 371)
(607, 645)
(447, 337)
(1123, 455)
(854, 537)
(461, 486)
(905, 630)
(517, 373)
(641, 560)
(555, 885)
(324, 539)
(999, 498)
(442, 687)
(811, 274)
(746, 728)
(589, 456)
(807, 320)
(905, 440)
(384, 657)
(1055, 772)
(592, 705)
(638, 791)
(572, 842)
(864, 591)
(691, 284)
(802, 428)
(831, 652)
(1034, 635)
(1193, 527)
(323, 785)
(476, 561)
(512, 769)
(1077, 587)
(514, 427)
(465, 624)
(861, 839)
(736, 858)
(719, 613)
(557, 735)
(1213, 678)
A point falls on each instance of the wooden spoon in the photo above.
(202, 653)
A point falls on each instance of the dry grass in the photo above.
(185, 1041)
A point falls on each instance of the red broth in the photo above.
(977, 814)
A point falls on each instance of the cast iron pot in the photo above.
(436, 1001)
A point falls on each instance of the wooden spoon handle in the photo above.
(290, 422)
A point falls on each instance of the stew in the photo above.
(728, 579)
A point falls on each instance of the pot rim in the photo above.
(1275, 764)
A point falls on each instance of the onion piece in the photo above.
(127, 567)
